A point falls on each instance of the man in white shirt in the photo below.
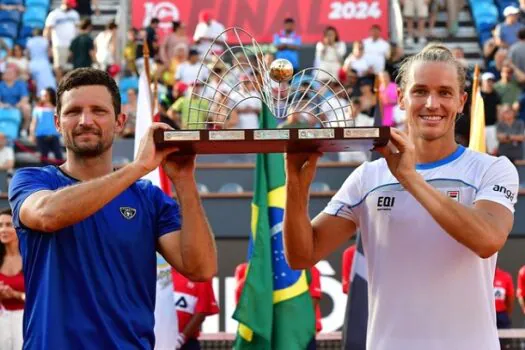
(376, 49)
(191, 69)
(432, 215)
(61, 28)
(206, 31)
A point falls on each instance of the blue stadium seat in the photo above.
(39, 3)
(8, 29)
(9, 16)
(12, 2)
(25, 32)
(22, 42)
(34, 17)
(10, 119)
(125, 84)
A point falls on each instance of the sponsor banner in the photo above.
(264, 18)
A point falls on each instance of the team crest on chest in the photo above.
(128, 212)
(453, 195)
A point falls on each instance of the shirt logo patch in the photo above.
(453, 195)
(385, 203)
(127, 212)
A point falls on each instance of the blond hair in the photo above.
(433, 52)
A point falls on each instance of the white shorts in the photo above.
(413, 7)
(61, 57)
(11, 337)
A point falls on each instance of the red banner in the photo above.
(263, 18)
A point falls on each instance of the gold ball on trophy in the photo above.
(281, 70)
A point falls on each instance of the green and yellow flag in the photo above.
(275, 310)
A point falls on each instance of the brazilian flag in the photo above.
(275, 310)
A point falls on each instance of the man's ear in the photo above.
(401, 99)
(463, 100)
(122, 118)
(57, 123)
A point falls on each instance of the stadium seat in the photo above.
(12, 2)
(39, 3)
(231, 187)
(25, 32)
(8, 29)
(34, 17)
(10, 119)
(202, 188)
(319, 187)
(9, 16)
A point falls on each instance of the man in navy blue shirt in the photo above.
(89, 234)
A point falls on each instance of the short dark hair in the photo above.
(111, 25)
(86, 77)
(154, 20)
(521, 34)
(52, 95)
(6, 211)
(85, 24)
(289, 20)
(175, 25)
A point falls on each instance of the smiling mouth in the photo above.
(431, 118)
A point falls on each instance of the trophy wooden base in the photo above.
(232, 141)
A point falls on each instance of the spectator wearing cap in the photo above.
(206, 31)
(330, 53)
(506, 33)
(179, 112)
(14, 94)
(61, 29)
(288, 43)
(491, 99)
(82, 49)
(106, 46)
(188, 71)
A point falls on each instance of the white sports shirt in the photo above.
(426, 290)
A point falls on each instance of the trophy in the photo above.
(311, 109)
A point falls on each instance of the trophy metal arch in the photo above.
(302, 94)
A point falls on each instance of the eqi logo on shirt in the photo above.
(385, 203)
(508, 193)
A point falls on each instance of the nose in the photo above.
(85, 118)
(432, 102)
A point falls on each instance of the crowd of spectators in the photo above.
(365, 69)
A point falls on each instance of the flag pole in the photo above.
(145, 53)
(475, 88)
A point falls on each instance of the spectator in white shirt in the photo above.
(357, 61)
(377, 49)
(61, 28)
(188, 71)
(7, 155)
(330, 53)
(206, 31)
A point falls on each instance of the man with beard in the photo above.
(89, 234)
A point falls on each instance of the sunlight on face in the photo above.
(432, 99)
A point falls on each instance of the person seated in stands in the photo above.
(130, 109)
(14, 94)
(17, 57)
(7, 155)
(510, 133)
(43, 130)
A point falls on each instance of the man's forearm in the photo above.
(468, 226)
(297, 227)
(87, 197)
(199, 255)
(194, 325)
